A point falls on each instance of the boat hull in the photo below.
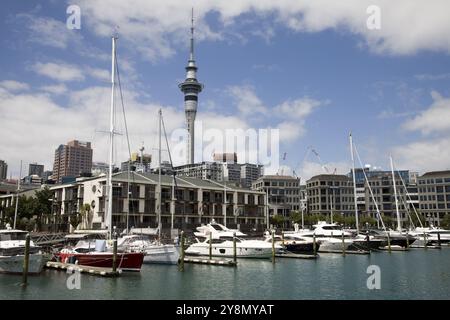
(332, 245)
(227, 252)
(125, 261)
(164, 254)
(301, 247)
(14, 264)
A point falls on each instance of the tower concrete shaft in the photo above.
(191, 88)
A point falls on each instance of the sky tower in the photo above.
(191, 88)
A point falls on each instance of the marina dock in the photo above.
(347, 251)
(297, 256)
(99, 271)
(215, 262)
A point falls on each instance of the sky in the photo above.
(312, 69)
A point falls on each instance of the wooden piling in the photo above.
(424, 240)
(26, 260)
(234, 248)
(314, 244)
(389, 242)
(273, 246)
(114, 264)
(407, 240)
(439, 239)
(210, 245)
(343, 244)
(181, 261)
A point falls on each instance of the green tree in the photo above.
(277, 220)
(85, 212)
(75, 220)
(445, 223)
(42, 205)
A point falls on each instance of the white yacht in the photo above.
(12, 247)
(218, 230)
(432, 234)
(154, 252)
(294, 243)
(223, 247)
(329, 235)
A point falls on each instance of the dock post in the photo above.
(282, 237)
(439, 239)
(389, 242)
(234, 248)
(210, 245)
(425, 240)
(181, 261)
(343, 243)
(314, 244)
(273, 246)
(114, 266)
(367, 240)
(26, 260)
(407, 240)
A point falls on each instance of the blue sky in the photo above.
(313, 70)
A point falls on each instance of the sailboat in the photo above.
(12, 247)
(101, 256)
(154, 251)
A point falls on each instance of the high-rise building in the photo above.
(47, 176)
(72, 160)
(3, 170)
(434, 196)
(138, 162)
(36, 169)
(191, 88)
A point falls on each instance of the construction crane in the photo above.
(312, 150)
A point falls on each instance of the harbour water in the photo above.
(417, 274)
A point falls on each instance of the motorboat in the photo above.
(218, 230)
(99, 256)
(12, 253)
(431, 234)
(329, 236)
(154, 251)
(396, 238)
(223, 247)
(294, 243)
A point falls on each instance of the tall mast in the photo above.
(17, 196)
(111, 139)
(354, 184)
(399, 224)
(159, 177)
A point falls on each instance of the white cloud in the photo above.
(290, 131)
(432, 77)
(44, 125)
(246, 100)
(309, 169)
(59, 71)
(434, 119)
(299, 108)
(424, 155)
(49, 32)
(155, 27)
(55, 89)
(99, 74)
(13, 85)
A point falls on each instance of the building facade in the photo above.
(204, 170)
(3, 170)
(434, 196)
(193, 202)
(72, 160)
(36, 169)
(138, 163)
(283, 193)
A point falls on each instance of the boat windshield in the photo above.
(331, 228)
(217, 227)
(13, 236)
